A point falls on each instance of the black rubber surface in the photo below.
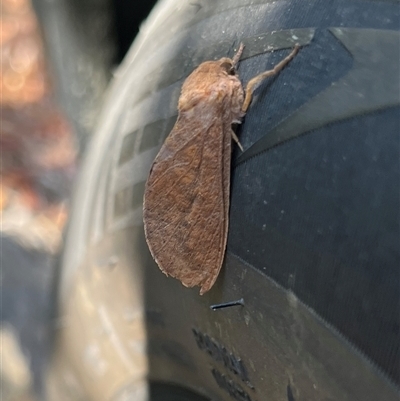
(318, 214)
(168, 392)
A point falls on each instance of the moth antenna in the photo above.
(237, 56)
(239, 302)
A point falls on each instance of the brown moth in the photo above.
(186, 199)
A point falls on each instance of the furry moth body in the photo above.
(186, 199)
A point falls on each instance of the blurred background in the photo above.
(57, 58)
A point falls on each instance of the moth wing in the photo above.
(186, 199)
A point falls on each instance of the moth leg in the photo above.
(237, 56)
(251, 86)
(236, 139)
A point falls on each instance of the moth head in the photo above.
(227, 65)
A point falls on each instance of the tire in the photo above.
(314, 217)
